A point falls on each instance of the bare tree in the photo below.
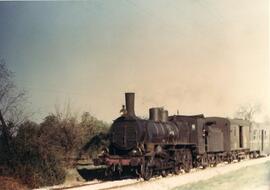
(11, 99)
(10, 105)
(247, 112)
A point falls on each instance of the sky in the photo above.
(195, 56)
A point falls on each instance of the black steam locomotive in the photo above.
(166, 144)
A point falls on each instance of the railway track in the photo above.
(99, 185)
(76, 186)
(106, 185)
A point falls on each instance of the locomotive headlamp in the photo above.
(134, 151)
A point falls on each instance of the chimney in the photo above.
(130, 98)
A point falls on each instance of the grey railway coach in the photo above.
(259, 139)
(239, 134)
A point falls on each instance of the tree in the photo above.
(91, 126)
(94, 133)
(60, 136)
(11, 99)
(247, 112)
(35, 164)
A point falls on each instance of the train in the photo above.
(166, 144)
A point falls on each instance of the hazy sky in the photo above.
(198, 56)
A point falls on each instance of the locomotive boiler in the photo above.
(129, 132)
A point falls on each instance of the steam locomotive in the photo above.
(166, 144)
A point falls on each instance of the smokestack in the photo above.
(130, 98)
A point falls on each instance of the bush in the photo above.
(42, 173)
(9, 183)
(95, 145)
(39, 154)
(28, 160)
(62, 137)
(42, 167)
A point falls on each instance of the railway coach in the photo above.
(259, 139)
